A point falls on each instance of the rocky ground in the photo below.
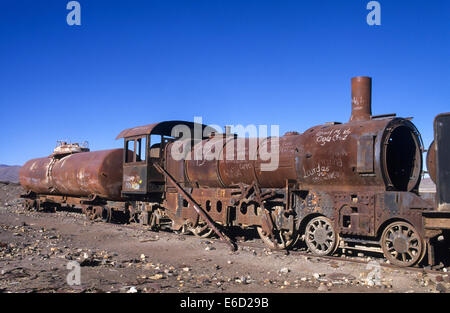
(37, 250)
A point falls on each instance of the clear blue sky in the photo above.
(133, 63)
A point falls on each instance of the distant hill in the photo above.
(9, 173)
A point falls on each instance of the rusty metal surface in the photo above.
(361, 155)
(361, 99)
(65, 148)
(81, 174)
(33, 175)
(230, 169)
(197, 208)
(381, 154)
(161, 128)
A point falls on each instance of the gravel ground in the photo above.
(36, 248)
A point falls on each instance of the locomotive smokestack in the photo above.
(361, 98)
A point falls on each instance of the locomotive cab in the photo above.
(135, 165)
(144, 147)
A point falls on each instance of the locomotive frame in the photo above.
(374, 201)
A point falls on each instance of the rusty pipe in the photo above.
(361, 99)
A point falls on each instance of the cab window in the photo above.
(136, 150)
(141, 145)
(129, 155)
(155, 149)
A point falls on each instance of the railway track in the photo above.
(350, 259)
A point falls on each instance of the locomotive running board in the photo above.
(196, 207)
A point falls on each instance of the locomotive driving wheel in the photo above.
(320, 236)
(279, 240)
(402, 245)
(202, 230)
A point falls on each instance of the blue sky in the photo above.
(289, 63)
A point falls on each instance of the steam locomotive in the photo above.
(337, 185)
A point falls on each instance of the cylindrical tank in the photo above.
(379, 154)
(80, 174)
(223, 162)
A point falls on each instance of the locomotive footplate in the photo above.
(436, 221)
(437, 232)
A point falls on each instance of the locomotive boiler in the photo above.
(337, 185)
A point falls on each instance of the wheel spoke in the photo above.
(409, 254)
(413, 239)
(404, 257)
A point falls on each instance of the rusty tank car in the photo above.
(77, 172)
(337, 185)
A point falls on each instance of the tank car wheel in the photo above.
(402, 245)
(31, 205)
(280, 240)
(320, 236)
(89, 212)
(107, 214)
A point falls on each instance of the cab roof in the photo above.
(161, 128)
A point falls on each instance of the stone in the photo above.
(322, 287)
(317, 275)
(441, 288)
(156, 277)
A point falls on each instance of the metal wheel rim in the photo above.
(402, 244)
(320, 236)
(107, 215)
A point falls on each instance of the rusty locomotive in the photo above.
(336, 185)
